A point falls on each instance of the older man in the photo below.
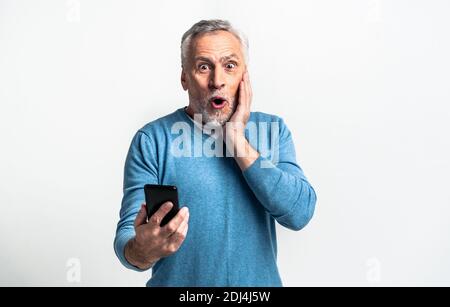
(232, 199)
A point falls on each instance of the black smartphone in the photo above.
(156, 195)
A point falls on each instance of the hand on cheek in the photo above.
(242, 113)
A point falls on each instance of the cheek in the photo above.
(237, 80)
(200, 83)
(235, 87)
(195, 88)
(200, 78)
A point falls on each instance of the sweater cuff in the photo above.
(263, 177)
(119, 247)
(260, 164)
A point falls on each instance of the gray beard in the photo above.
(214, 119)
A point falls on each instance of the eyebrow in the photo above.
(222, 59)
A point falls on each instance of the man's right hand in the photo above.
(152, 241)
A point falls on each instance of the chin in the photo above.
(213, 123)
(216, 119)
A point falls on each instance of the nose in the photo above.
(217, 79)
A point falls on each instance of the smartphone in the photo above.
(156, 195)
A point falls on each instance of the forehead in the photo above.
(217, 43)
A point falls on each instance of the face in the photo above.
(211, 76)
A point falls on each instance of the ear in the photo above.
(184, 82)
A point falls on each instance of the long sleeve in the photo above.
(140, 169)
(282, 188)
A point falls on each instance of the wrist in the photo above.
(244, 153)
(136, 257)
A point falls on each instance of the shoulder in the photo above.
(161, 125)
(270, 119)
(264, 117)
(271, 124)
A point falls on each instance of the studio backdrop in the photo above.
(362, 85)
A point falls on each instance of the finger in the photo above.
(182, 224)
(156, 218)
(239, 101)
(248, 89)
(244, 92)
(175, 223)
(141, 217)
(177, 238)
(249, 86)
(245, 97)
(241, 92)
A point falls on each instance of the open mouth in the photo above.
(218, 102)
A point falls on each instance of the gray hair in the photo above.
(206, 26)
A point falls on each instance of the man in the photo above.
(225, 234)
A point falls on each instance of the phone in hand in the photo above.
(156, 195)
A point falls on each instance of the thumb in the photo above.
(141, 218)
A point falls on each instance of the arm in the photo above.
(140, 243)
(282, 189)
(140, 168)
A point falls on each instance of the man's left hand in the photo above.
(234, 129)
(239, 119)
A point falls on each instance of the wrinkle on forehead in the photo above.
(216, 45)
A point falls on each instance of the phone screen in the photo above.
(156, 195)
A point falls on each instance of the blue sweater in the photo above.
(231, 239)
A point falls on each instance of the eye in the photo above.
(231, 65)
(203, 67)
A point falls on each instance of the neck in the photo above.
(189, 111)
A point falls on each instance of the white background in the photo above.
(362, 84)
